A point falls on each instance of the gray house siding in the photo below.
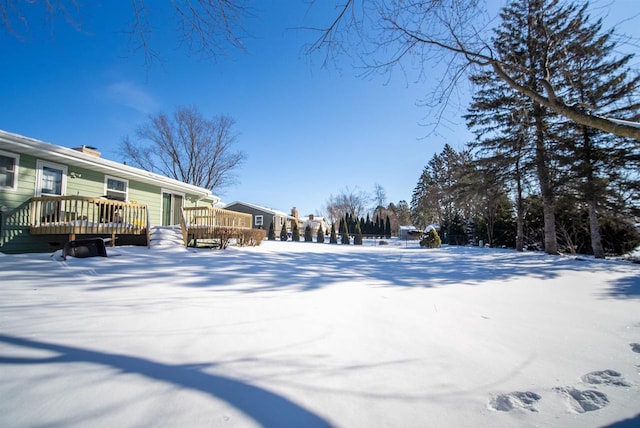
(268, 216)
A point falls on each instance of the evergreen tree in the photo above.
(295, 233)
(308, 237)
(345, 237)
(341, 227)
(272, 232)
(522, 141)
(284, 235)
(533, 34)
(320, 235)
(437, 198)
(357, 239)
(499, 118)
(431, 239)
(333, 239)
(387, 228)
(595, 163)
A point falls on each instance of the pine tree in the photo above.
(499, 118)
(284, 235)
(533, 34)
(320, 235)
(524, 142)
(308, 236)
(595, 163)
(272, 232)
(333, 239)
(295, 233)
(357, 239)
(436, 198)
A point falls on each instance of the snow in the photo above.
(304, 334)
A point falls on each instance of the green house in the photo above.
(51, 194)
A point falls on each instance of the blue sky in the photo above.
(308, 132)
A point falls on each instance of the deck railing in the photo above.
(210, 218)
(214, 224)
(80, 215)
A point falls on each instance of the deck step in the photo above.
(165, 236)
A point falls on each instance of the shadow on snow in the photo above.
(257, 271)
(265, 407)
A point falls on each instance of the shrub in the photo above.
(295, 233)
(284, 234)
(272, 232)
(251, 237)
(308, 237)
(320, 235)
(357, 240)
(431, 239)
(333, 239)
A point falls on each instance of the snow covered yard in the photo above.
(300, 334)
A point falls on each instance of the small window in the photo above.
(259, 220)
(116, 188)
(8, 171)
(51, 179)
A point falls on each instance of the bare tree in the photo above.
(13, 14)
(187, 147)
(402, 33)
(348, 201)
(206, 27)
(379, 196)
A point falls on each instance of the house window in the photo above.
(116, 188)
(8, 171)
(259, 220)
(51, 179)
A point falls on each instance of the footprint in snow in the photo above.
(584, 401)
(635, 347)
(514, 400)
(605, 377)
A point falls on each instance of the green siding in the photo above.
(90, 183)
(15, 237)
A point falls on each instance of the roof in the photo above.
(30, 146)
(259, 208)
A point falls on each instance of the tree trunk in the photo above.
(519, 213)
(546, 189)
(596, 239)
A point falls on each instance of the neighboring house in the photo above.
(314, 222)
(263, 217)
(50, 194)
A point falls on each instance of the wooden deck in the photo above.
(79, 215)
(218, 225)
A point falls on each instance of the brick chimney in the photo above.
(88, 150)
(294, 213)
